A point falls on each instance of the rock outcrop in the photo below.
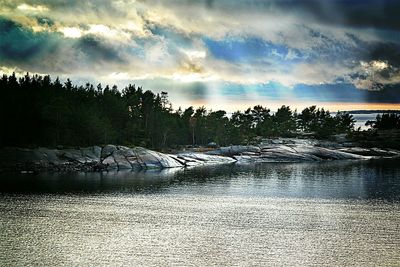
(111, 157)
(195, 159)
(94, 158)
(299, 150)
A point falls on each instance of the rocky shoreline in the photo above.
(112, 157)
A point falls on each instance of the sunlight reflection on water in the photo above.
(342, 214)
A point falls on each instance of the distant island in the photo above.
(372, 111)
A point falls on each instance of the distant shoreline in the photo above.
(372, 111)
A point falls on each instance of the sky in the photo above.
(222, 54)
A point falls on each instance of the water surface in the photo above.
(361, 119)
(335, 213)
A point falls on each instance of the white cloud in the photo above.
(375, 74)
(71, 32)
(30, 8)
(195, 54)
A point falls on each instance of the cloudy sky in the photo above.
(219, 53)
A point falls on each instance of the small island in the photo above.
(68, 124)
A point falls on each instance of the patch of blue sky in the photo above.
(178, 38)
(343, 92)
(252, 49)
(139, 52)
(270, 90)
(339, 92)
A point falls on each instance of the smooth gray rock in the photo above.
(175, 157)
(107, 151)
(151, 159)
(123, 148)
(10, 156)
(113, 157)
(131, 156)
(91, 154)
(234, 150)
(284, 150)
(47, 155)
(377, 152)
(192, 159)
(287, 156)
(135, 164)
(329, 154)
(127, 152)
(73, 155)
(167, 161)
(147, 160)
(110, 163)
(120, 159)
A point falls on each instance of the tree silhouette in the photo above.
(36, 111)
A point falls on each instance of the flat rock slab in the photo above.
(73, 155)
(285, 152)
(377, 152)
(234, 150)
(191, 159)
(91, 154)
(152, 159)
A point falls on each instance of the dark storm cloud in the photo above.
(387, 94)
(18, 44)
(354, 13)
(346, 93)
(96, 49)
(381, 70)
(331, 92)
(48, 51)
(366, 13)
(389, 52)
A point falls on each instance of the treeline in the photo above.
(37, 111)
(386, 121)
